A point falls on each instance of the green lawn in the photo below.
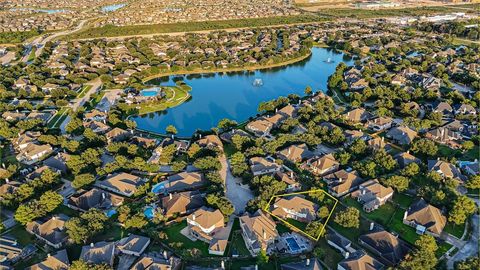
(23, 237)
(405, 232)
(445, 151)
(442, 248)
(472, 154)
(330, 256)
(84, 91)
(237, 245)
(403, 200)
(297, 224)
(174, 236)
(382, 215)
(175, 95)
(455, 230)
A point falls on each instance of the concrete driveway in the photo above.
(236, 192)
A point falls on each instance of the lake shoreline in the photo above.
(223, 70)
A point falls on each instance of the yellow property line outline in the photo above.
(267, 209)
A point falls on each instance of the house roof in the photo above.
(259, 228)
(260, 125)
(94, 198)
(261, 164)
(184, 181)
(374, 187)
(206, 217)
(156, 263)
(133, 243)
(402, 134)
(296, 152)
(356, 115)
(98, 253)
(59, 261)
(426, 215)
(446, 168)
(324, 162)
(51, 229)
(181, 202)
(294, 203)
(342, 181)
(210, 140)
(124, 183)
(308, 264)
(360, 261)
(218, 245)
(385, 243)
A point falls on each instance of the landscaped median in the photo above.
(58, 118)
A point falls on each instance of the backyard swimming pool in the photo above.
(158, 188)
(149, 212)
(292, 244)
(150, 92)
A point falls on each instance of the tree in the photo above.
(473, 182)
(81, 265)
(50, 200)
(424, 146)
(349, 218)
(358, 147)
(323, 212)
(225, 124)
(308, 91)
(137, 221)
(171, 129)
(81, 229)
(410, 170)
(193, 150)
(423, 258)
(462, 208)
(207, 163)
(82, 180)
(399, 183)
(239, 166)
(468, 264)
(262, 257)
(343, 157)
(384, 160)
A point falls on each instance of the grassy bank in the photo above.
(174, 96)
(235, 69)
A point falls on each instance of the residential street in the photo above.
(236, 192)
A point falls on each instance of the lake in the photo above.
(234, 96)
(113, 7)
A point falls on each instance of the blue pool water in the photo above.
(158, 188)
(292, 244)
(111, 212)
(114, 7)
(233, 95)
(149, 92)
(149, 212)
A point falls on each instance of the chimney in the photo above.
(165, 255)
(264, 234)
(256, 267)
(405, 214)
(223, 264)
(291, 174)
(372, 225)
(347, 254)
(91, 245)
(193, 216)
(48, 255)
(308, 262)
(103, 195)
(170, 196)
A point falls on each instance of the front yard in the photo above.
(178, 241)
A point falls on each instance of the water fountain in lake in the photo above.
(329, 60)
(258, 82)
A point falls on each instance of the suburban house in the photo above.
(258, 231)
(402, 135)
(444, 108)
(57, 261)
(405, 158)
(261, 165)
(339, 242)
(260, 127)
(445, 136)
(95, 115)
(289, 179)
(94, 198)
(445, 169)
(148, 262)
(465, 109)
(124, 184)
(11, 250)
(58, 162)
(117, 135)
(50, 230)
(360, 261)
(181, 203)
(217, 246)
(98, 253)
(425, 218)
(342, 182)
(377, 143)
(356, 115)
(204, 223)
(133, 245)
(210, 141)
(307, 264)
(372, 195)
(184, 181)
(33, 153)
(295, 153)
(322, 165)
(385, 246)
(294, 207)
(23, 140)
(380, 123)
